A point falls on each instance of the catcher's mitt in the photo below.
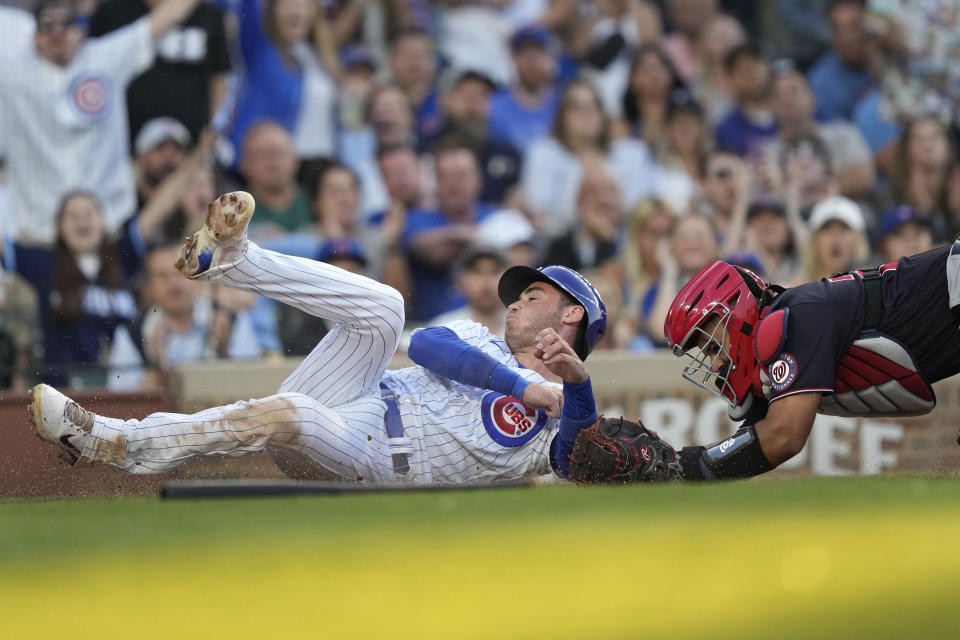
(616, 450)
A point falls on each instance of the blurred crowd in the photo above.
(433, 144)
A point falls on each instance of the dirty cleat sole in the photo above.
(223, 237)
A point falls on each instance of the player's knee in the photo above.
(392, 300)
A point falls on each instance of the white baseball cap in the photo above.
(504, 229)
(837, 208)
(159, 130)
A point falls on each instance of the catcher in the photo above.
(864, 343)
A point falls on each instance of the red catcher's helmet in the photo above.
(732, 295)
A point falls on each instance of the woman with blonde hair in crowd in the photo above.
(838, 240)
(648, 225)
(291, 66)
(691, 247)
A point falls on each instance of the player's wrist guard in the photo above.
(739, 456)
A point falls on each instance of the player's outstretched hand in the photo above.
(560, 357)
(549, 399)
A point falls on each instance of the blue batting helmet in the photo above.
(515, 281)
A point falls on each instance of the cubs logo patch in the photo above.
(90, 94)
(508, 421)
(782, 372)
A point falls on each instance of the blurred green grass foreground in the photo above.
(869, 557)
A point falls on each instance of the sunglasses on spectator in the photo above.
(47, 25)
(783, 67)
(582, 105)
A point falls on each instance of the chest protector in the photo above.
(876, 376)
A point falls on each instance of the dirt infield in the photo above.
(31, 468)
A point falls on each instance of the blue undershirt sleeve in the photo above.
(9, 254)
(579, 412)
(442, 351)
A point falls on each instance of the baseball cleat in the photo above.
(61, 421)
(222, 239)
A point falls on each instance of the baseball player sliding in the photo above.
(475, 408)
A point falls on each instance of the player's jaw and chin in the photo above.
(523, 325)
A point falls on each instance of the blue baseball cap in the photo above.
(341, 249)
(893, 219)
(746, 259)
(531, 34)
(356, 56)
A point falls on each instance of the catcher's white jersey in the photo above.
(329, 413)
(465, 433)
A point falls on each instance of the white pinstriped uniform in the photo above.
(465, 433)
(329, 411)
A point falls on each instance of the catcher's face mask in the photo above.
(707, 349)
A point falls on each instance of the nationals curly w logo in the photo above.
(782, 372)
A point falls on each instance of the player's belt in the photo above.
(394, 425)
(872, 298)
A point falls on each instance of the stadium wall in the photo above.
(647, 386)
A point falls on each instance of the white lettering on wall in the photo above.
(873, 458)
(672, 418)
(825, 447)
(828, 451)
(713, 423)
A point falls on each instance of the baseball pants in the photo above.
(328, 413)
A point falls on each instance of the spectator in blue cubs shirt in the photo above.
(413, 68)
(466, 109)
(435, 240)
(524, 111)
(751, 121)
(289, 75)
(388, 122)
(840, 78)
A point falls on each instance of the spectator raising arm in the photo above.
(168, 13)
(164, 201)
(734, 239)
(440, 248)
